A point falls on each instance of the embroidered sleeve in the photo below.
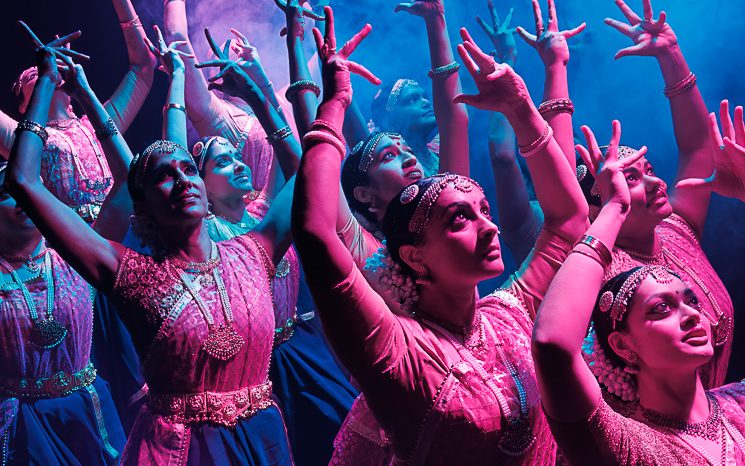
(358, 241)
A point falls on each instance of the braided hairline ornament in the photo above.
(398, 86)
(619, 304)
(199, 151)
(428, 199)
(367, 157)
(140, 162)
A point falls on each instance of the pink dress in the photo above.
(431, 402)
(682, 253)
(168, 329)
(609, 438)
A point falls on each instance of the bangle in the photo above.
(132, 23)
(34, 127)
(323, 124)
(443, 71)
(556, 106)
(594, 257)
(680, 87)
(174, 106)
(106, 130)
(280, 134)
(303, 84)
(535, 146)
(600, 249)
(319, 136)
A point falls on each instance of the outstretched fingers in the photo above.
(714, 135)
(487, 29)
(630, 160)
(318, 38)
(538, 17)
(531, 39)
(470, 65)
(728, 128)
(503, 27)
(213, 45)
(647, 8)
(30, 34)
(621, 27)
(240, 36)
(330, 34)
(360, 70)
(65, 40)
(596, 156)
(352, 43)
(633, 18)
(493, 13)
(553, 23)
(573, 32)
(739, 126)
(629, 51)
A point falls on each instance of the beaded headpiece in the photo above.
(590, 187)
(368, 149)
(140, 161)
(199, 151)
(398, 86)
(618, 304)
(429, 198)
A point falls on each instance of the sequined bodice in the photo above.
(73, 164)
(73, 309)
(168, 328)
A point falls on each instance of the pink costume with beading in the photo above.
(681, 252)
(431, 402)
(168, 330)
(609, 438)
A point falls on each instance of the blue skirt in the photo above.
(312, 392)
(80, 428)
(258, 440)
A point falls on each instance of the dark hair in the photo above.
(377, 108)
(586, 182)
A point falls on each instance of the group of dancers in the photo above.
(149, 303)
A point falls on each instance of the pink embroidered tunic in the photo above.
(168, 330)
(431, 402)
(681, 252)
(609, 438)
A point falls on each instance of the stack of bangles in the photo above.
(599, 254)
(132, 23)
(680, 87)
(303, 84)
(535, 146)
(444, 71)
(280, 134)
(106, 130)
(34, 127)
(556, 106)
(322, 131)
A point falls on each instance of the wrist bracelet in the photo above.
(303, 84)
(131, 24)
(600, 249)
(106, 130)
(443, 71)
(594, 257)
(34, 127)
(319, 124)
(174, 106)
(280, 134)
(538, 144)
(319, 136)
(556, 106)
(680, 87)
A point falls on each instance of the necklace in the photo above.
(222, 341)
(467, 333)
(46, 332)
(707, 429)
(517, 436)
(31, 262)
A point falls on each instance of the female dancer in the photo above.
(658, 231)
(74, 166)
(200, 314)
(651, 339)
(425, 375)
(48, 380)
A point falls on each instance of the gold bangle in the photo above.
(594, 257)
(131, 24)
(174, 106)
(600, 249)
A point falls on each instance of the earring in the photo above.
(632, 360)
(372, 207)
(421, 278)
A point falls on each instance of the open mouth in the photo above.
(697, 335)
(415, 174)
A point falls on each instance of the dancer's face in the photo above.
(28, 89)
(174, 192)
(12, 218)
(649, 201)
(460, 244)
(225, 174)
(665, 328)
(413, 113)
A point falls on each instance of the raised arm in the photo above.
(452, 117)
(128, 98)
(551, 45)
(656, 38)
(94, 257)
(569, 391)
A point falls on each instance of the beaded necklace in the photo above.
(31, 262)
(222, 342)
(707, 429)
(517, 436)
(47, 332)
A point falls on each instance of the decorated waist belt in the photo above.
(87, 212)
(224, 408)
(287, 329)
(57, 385)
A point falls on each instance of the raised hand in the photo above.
(501, 35)
(296, 15)
(427, 9)
(550, 43)
(75, 83)
(608, 169)
(232, 79)
(728, 178)
(651, 37)
(336, 66)
(500, 88)
(168, 55)
(243, 49)
(47, 54)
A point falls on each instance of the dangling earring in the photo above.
(632, 366)
(421, 278)
(372, 207)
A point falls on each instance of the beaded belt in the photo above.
(57, 385)
(224, 408)
(87, 212)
